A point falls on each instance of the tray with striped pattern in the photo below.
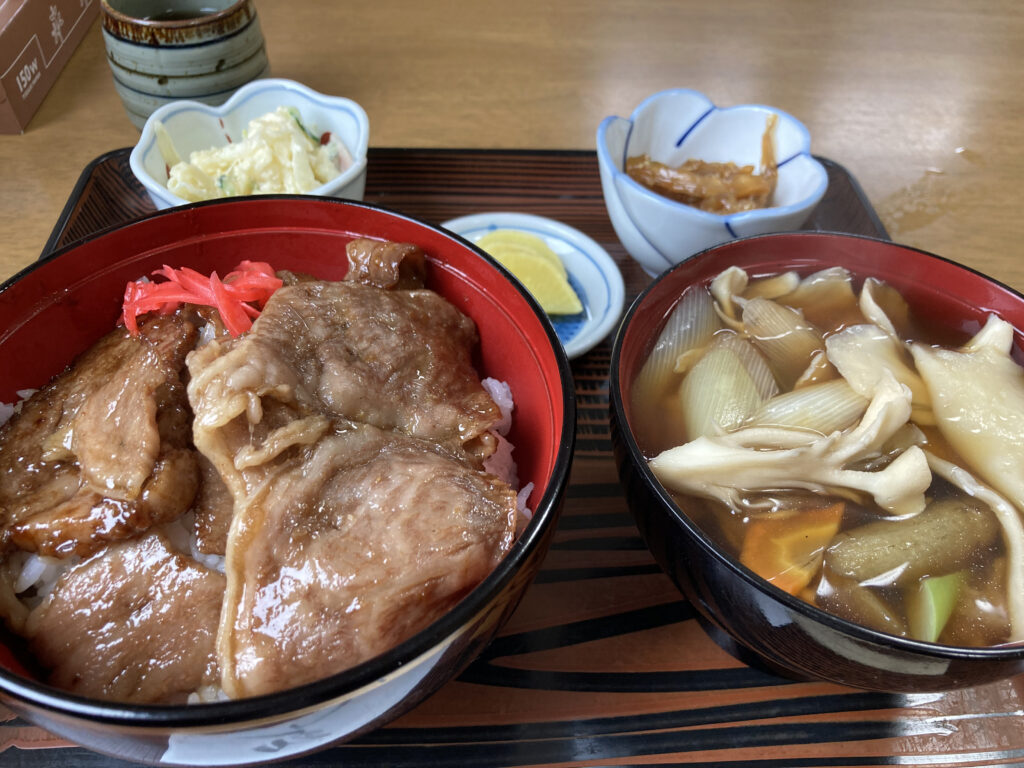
(604, 663)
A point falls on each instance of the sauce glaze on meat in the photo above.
(333, 455)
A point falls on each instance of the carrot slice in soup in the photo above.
(787, 550)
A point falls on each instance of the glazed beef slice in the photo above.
(136, 623)
(358, 542)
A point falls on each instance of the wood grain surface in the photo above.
(603, 663)
(919, 99)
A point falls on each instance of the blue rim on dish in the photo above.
(731, 225)
(592, 273)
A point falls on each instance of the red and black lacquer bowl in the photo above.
(756, 621)
(59, 306)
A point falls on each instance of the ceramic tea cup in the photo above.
(201, 50)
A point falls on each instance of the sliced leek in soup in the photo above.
(843, 452)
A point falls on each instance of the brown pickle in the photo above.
(712, 187)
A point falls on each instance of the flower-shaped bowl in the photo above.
(677, 125)
(193, 126)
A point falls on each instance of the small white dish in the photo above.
(194, 126)
(592, 273)
(679, 124)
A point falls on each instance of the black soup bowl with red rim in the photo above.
(754, 619)
(59, 306)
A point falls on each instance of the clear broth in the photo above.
(980, 614)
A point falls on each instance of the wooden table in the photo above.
(918, 101)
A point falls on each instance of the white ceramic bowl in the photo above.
(193, 126)
(676, 125)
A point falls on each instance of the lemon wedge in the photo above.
(505, 240)
(536, 266)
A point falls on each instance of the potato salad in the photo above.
(278, 154)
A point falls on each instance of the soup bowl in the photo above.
(59, 306)
(753, 619)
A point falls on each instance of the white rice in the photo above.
(207, 695)
(182, 535)
(501, 394)
(6, 411)
(523, 495)
(37, 574)
(206, 334)
(9, 409)
(501, 463)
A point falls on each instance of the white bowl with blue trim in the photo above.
(194, 126)
(677, 125)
